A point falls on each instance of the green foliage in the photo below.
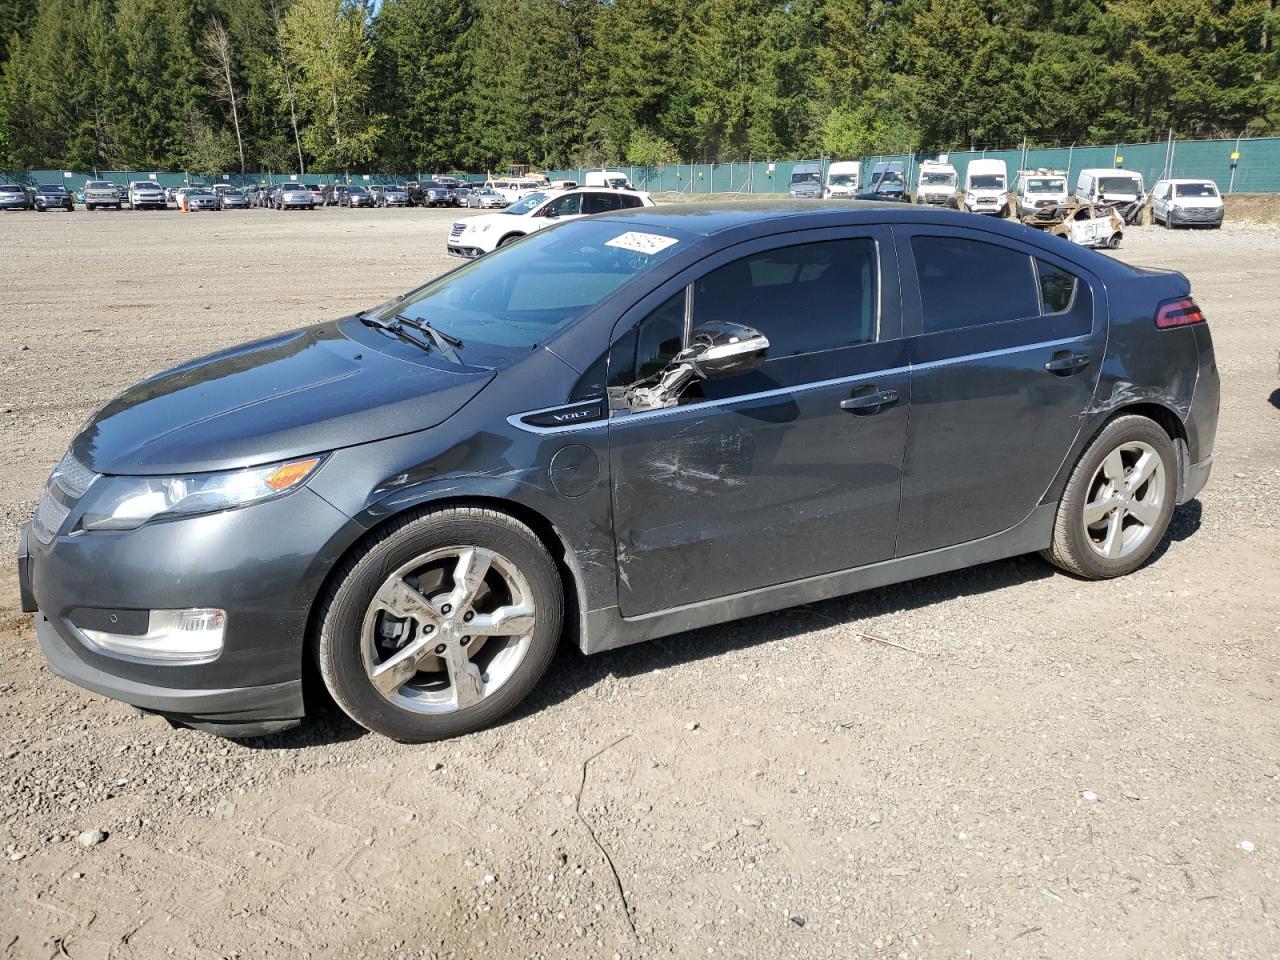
(434, 85)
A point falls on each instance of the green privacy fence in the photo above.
(1256, 169)
(1247, 165)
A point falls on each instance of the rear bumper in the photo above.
(233, 712)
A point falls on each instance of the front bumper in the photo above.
(266, 585)
(1196, 218)
(13, 204)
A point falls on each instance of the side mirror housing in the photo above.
(723, 349)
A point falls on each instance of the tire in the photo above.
(1114, 242)
(420, 553)
(1075, 547)
(89, 207)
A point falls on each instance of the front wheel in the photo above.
(1117, 505)
(442, 625)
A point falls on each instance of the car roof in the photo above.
(1191, 180)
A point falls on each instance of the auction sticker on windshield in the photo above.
(649, 243)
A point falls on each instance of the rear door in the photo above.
(786, 472)
(1005, 343)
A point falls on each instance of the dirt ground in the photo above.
(1038, 767)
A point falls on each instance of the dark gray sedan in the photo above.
(617, 428)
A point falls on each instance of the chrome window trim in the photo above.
(623, 417)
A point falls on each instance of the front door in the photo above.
(784, 473)
(1005, 343)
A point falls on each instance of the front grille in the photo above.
(1198, 213)
(67, 484)
(457, 230)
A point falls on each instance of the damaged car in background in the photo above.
(565, 441)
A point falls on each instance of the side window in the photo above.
(1057, 287)
(650, 346)
(599, 202)
(969, 283)
(805, 298)
(627, 200)
(567, 206)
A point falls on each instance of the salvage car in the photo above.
(1088, 224)
(619, 428)
(14, 196)
(53, 196)
(1187, 203)
(480, 235)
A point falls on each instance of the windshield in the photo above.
(233, 194)
(99, 185)
(357, 190)
(986, 181)
(1046, 185)
(10, 188)
(47, 188)
(842, 180)
(1196, 190)
(938, 179)
(527, 204)
(811, 177)
(314, 187)
(1121, 185)
(514, 299)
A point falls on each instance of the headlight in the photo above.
(126, 503)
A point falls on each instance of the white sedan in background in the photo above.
(482, 234)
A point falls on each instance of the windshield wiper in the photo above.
(395, 327)
(446, 342)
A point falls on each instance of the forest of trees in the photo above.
(355, 85)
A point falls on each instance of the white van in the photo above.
(986, 187)
(1037, 189)
(1186, 203)
(1121, 188)
(843, 179)
(615, 179)
(936, 183)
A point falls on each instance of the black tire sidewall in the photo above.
(340, 638)
(1122, 430)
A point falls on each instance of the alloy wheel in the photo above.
(1125, 499)
(447, 629)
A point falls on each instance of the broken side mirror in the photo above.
(723, 349)
(717, 349)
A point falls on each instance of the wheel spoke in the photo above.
(1097, 510)
(1115, 534)
(468, 575)
(464, 677)
(401, 600)
(1142, 470)
(1146, 511)
(1113, 468)
(513, 621)
(390, 675)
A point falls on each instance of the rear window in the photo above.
(969, 283)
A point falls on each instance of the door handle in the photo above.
(870, 402)
(1064, 362)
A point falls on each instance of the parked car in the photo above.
(14, 196)
(486, 198)
(614, 179)
(484, 233)
(986, 187)
(460, 194)
(199, 198)
(936, 182)
(843, 177)
(389, 195)
(147, 194)
(1120, 188)
(53, 196)
(357, 196)
(731, 409)
(888, 182)
(101, 193)
(233, 199)
(1088, 224)
(319, 194)
(806, 181)
(436, 195)
(335, 194)
(1035, 190)
(1187, 203)
(296, 196)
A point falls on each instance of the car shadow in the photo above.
(1275, 398)
(571, 671)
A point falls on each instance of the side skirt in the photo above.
(607, 629)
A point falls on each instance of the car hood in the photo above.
(308, 391)
(493, 220)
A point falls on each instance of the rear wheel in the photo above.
(442, 626)
(1118, 502)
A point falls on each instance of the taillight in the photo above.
(1178, 313)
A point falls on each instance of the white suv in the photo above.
(484, 233)
(147, 193)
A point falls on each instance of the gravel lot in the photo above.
(1037, 767)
